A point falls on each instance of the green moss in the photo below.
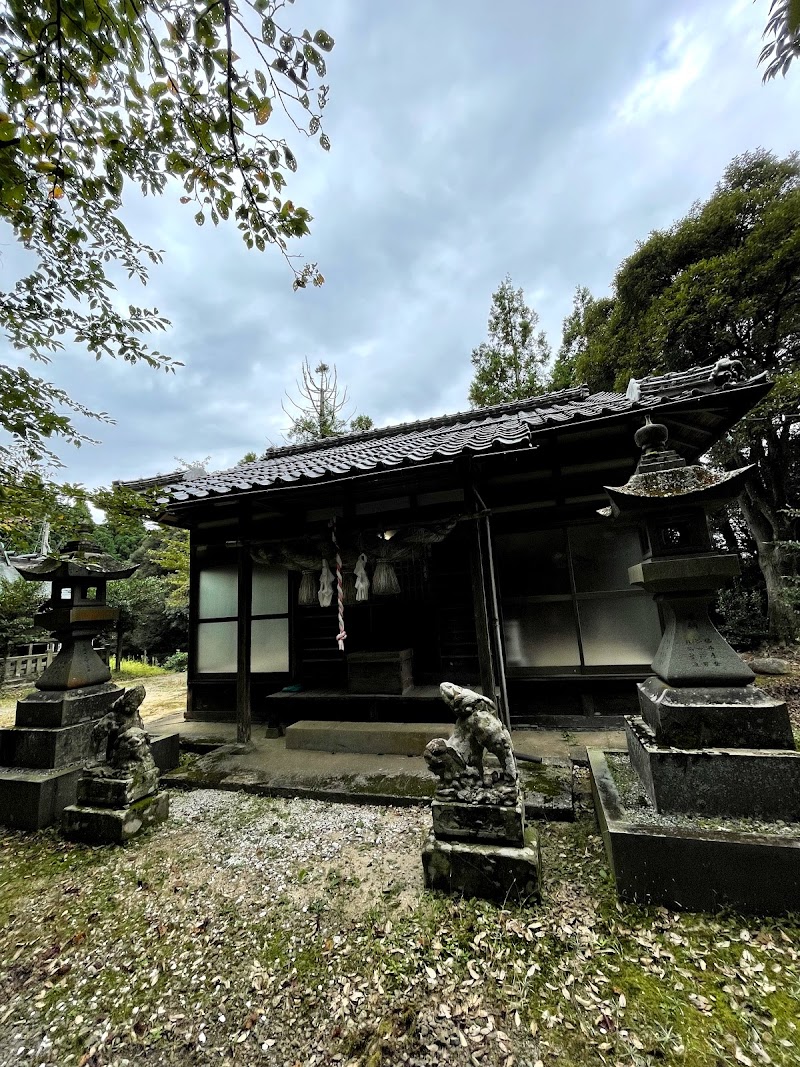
(550, 782)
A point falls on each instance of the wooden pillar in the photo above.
(194, 597)
(481, 613)
(244, 631)
(496, 629)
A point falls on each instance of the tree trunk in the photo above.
(118, 650)
(782, 619)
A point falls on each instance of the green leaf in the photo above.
(199, 218)
(323, 40)
(793, 16)
(268, 31)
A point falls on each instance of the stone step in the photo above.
(378, 738)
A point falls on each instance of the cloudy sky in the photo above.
(469, 140)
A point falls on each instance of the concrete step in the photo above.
(378, 738)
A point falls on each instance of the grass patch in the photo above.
(132, 669)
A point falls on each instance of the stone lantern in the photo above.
(42, 755)
(701, 694)
(76, 611)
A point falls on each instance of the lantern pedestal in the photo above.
(42, 756)
(711, 772)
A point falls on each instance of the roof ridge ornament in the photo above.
(727, 371)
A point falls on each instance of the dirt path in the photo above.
(166, 693)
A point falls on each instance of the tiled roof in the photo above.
(500, 428)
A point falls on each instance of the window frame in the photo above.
(574, 598)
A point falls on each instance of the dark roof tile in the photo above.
(504, 426)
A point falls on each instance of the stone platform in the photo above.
(491, 872)
(378, 738)
(695, 868)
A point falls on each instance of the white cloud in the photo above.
(668, 77)
(517, 138)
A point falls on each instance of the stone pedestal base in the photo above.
(480, 823)
(66, 707)
(697, 869)
(31, 800)
(95, 790)
(114, 826)
(715, 717)
(491, 872)
(47, 747)
(743, 782)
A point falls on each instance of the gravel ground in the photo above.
(250, 930)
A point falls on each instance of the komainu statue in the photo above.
(458, 761)
(128, 758)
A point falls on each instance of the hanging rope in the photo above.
(341, 636)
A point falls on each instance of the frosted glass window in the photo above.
(216, 648)
(269, 648)
(541, 635)
(219, 597)
(623, 629)
(270, 590)
(601, 556)
(533, 564)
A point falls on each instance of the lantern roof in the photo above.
(80, 558)
(663, 478)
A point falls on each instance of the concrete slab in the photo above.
(267, 766)
(558, 742)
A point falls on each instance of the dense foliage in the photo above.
(722, 281)
(99, 96)
(19, 602)
(511, 364)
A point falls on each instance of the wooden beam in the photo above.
(244, 632)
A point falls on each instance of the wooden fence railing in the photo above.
(16, 668)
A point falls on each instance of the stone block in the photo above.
(715, 717)
(750, 783)
(114, 826)
(31, 800)
(101, 792)
(491, 872)
(166, 751)
(490, 823)
(692, 869)
(44, 748)
(378, 738)
(66, 708)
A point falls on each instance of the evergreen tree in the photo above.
(511, 364)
